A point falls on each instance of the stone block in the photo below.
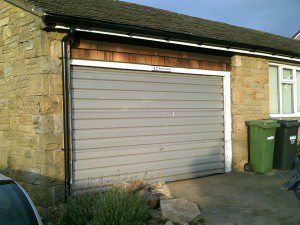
(54, 175)
(58, 123)
(28, 153)
(50, 104)
(247, 63)
(47, 65)
(8, 71)
(50, 142)
(243, 72)
(56, 85)
(49, 157)
(39, 157)
(4, 21)
(59, 157)
(29, 45)
(236, 61)
(43, 124)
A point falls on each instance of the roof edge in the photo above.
(27, 7)
(296, 35)
(129, 29)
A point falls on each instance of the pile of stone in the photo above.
(165, 209)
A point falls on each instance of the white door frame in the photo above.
(142, 67)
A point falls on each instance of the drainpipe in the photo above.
(65, 82)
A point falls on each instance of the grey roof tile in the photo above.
(119, 12)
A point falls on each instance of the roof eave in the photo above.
(129, 29)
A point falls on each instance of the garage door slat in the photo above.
(130, 132)
(144, 140)
(146, 149)
(141, 95)
(146, 166)
(145, 104)
(131, 86)
(158, 113)
(114, 75)
(142, 122)
(143, 158)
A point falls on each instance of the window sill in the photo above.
(285, 115)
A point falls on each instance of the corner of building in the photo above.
(31, 126)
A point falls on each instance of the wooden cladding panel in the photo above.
(104, 51)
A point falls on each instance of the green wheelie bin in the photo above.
(286, 144)
(262, 140)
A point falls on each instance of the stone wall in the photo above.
(250, 100)
(31, 130)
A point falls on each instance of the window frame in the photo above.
(282, 81)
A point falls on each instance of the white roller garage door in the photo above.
(133, 124)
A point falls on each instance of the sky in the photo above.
(280, 17)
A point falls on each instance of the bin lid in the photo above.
(266, 124)
(289, 123)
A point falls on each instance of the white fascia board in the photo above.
(142, 67)
(235, 50)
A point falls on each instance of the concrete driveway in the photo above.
(242, 198)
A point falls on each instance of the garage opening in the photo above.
(129, 125)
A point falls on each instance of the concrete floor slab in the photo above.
(242, 198)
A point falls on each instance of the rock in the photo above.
(160, 189)
(157, 185)
(151, 199)
(156, 214)
(198, 220)
(156, 218)
(169, 223)
(136, 185)
(179, 211)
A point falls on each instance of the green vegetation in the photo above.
(110, 207)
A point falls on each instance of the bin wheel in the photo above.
(248, 167)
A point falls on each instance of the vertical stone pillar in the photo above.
(250, 100)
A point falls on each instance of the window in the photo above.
(284, 93)
(274, 90)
